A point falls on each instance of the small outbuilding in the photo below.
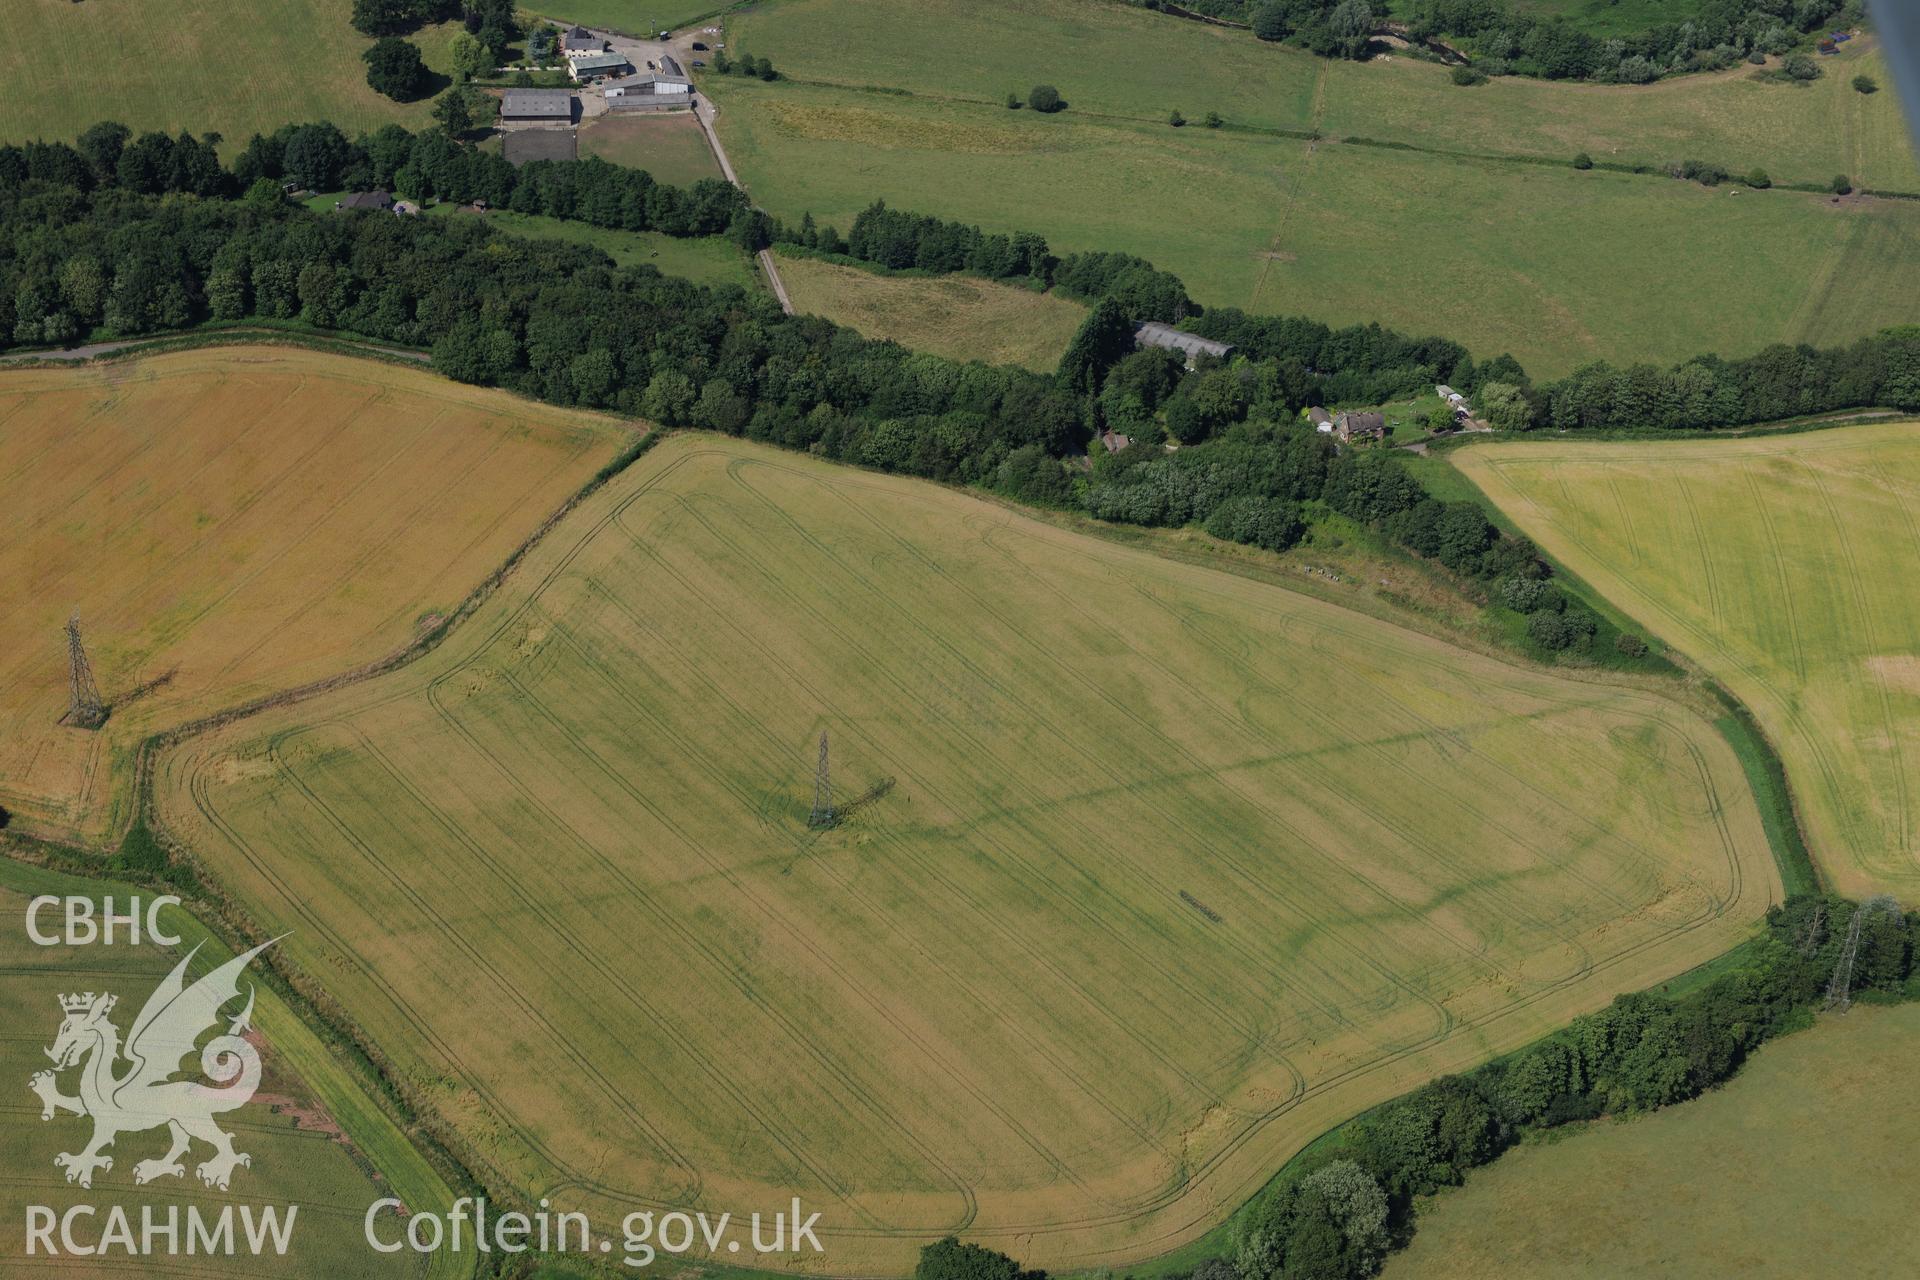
(1320, 420)
(1190, 345)
(1114, 441)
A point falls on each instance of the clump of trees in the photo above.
(394, 67)
(1045, 98)
(395, 17)
(745, 65)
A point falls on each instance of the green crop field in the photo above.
(1783, 565)
(1804, 1165)
(1282, 859)
(955, 316)
(1556, 265)
(316, 1140)
(210, 66)
(671, 146)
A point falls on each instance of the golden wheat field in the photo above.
(1146, 874)
(230, 523)
(1784, 565)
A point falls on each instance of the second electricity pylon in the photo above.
(1840, 986)
(822, 815)
(85, 708)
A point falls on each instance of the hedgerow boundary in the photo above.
(460, 1166)
(149, 855)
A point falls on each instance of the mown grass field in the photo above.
(233, 522)
(1160, 873)
(1783, 566)
(1803, 1165)
(956, 316)
(316, 1139)
(711, 260)
(672, 146)
(1556, 265)
(208, 67)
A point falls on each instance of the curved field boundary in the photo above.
(1135, 1225)
(1784, 589)
(232, 523)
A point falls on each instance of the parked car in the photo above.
(701, 47)
(698, 63)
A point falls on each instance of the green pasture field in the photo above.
(1111, 60)
(1096, 805)
(316, 1139)
(671, 146)
(1783, 565)
(636, 17)
(1555, 265)
(207, 67)
(956, 316)
(1804, 1164)
(710, 260)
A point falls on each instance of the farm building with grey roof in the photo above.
(1190, 345)
(537, 104)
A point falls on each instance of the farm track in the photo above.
(612, 631)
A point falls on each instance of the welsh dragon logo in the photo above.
(143, 1095)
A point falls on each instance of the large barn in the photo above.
(1190, 345)
(537, 106)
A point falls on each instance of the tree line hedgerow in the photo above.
(101, 238)
(1366, 364)
(1508, 39)
(1335, 1214)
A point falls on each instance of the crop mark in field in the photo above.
(988, 918)
(1202, 907)
(400, 884)
(527, 795)
(603, 644)
(1254, 679)
(1276, 250)
(1863, 602)
(197, 788)
(1095, 753)
(935, 1057)
(1098, 918)
(1796, 651)
(795, 1033)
